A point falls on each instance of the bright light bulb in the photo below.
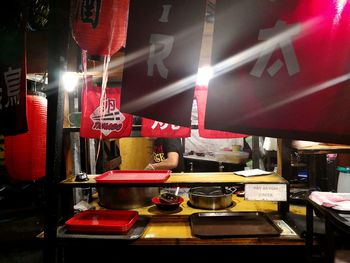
(204, 75)
(70, 81)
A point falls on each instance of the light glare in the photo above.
(204, 75)
(70, 81)
(340, 4)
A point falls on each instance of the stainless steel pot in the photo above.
(126, 197)
(214, 198)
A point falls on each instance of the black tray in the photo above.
(135, 232)
(233, 224)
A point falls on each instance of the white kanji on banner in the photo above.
(152, 128)
(163, 125)
(286, 47)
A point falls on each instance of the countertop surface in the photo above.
(173, 227)
(178, 179)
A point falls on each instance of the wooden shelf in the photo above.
(323, 149)
(188, 180)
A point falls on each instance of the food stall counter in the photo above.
(187, 179)
(173, 227)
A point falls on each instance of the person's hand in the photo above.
(149, 167)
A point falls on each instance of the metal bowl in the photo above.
(126, 197)
(213, 198)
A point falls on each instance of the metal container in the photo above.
(126, 197)
(214, 198)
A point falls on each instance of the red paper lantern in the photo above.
(99, 26)
(25, 154)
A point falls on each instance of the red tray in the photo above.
(102, 221)
(134, 176)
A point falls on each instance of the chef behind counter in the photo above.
(167, 155)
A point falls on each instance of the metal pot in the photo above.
(126, 197)
(214, 198)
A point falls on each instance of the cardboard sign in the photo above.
(152, 128)
(265, 192)
(281, 69)
(162, 54)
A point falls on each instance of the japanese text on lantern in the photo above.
(160, 48)
(90, 12)
(12, 82)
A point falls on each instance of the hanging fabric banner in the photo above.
(281, 69)
(201, 93)
(13, 83)
(162, 54)
(95, 124)
(152, 128)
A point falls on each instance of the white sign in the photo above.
(266, 192)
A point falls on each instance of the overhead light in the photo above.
(69, 81)
(204, 75)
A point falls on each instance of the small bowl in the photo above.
(166, 206)
(168, 198)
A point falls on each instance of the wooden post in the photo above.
(255, 152)
(57, 51)
(284, 169)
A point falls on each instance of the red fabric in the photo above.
(169, 32)
(151, 128)
(114, 124)
(201, 93)
(297, 89)
(13, 83)
(99, 27)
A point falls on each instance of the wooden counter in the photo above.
(193, 180)
(189, 179)
(323, 148)
(239, 204)
(176, 230)
(173, 227)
